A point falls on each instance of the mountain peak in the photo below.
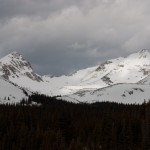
(144, 52)
(15, 53)
(15, 59)
(14, 65)
(12, 57)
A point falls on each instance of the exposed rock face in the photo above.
(107, 80)
(14, 65)
(102, 66)
(146, 72)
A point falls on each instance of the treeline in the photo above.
(59, 125)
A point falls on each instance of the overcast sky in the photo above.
(60, 36)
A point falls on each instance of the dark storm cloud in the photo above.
(60, 36)
(38, 8)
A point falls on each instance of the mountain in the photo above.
(16, 69)
(15, 66)
(127, 81)
(98, 83)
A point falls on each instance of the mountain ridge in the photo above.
(132, 69)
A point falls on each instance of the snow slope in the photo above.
(120, 93)
(10, 93)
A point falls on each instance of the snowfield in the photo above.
(120, 93)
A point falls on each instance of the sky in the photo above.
(60, 36)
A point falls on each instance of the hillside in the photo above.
(10, 93)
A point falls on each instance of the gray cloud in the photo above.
(61, 36)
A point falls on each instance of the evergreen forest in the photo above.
(58, 125)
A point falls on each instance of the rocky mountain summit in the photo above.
(14, 66)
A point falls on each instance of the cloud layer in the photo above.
(59, 37)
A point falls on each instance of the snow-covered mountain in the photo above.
(15, 66)
(101, 82)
